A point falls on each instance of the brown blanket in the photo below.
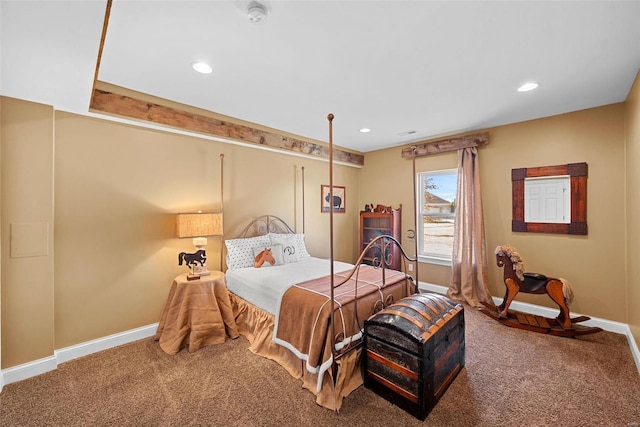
(304, 321)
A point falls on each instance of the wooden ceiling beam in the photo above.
(121, 105)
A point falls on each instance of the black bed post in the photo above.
(415, 215)
(302, 199)
(330, 118)
(221, 210)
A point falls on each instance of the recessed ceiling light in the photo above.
(528, 86)
(365, 130)
(202, 67)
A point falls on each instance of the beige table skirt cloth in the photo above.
(197, 313)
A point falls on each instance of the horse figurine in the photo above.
(264, 256)
(516, 280)
(198, 257)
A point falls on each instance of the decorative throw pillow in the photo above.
(266, 256)
(302, 249)
(290, 249)
(240, 251)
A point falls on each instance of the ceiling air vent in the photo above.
(407, 133)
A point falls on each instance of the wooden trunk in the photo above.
(413, 350)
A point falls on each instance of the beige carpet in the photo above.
(511, 378)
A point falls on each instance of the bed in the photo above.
(284, 306)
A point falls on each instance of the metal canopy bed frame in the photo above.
(340, 348)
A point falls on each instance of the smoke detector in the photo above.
(257, 12)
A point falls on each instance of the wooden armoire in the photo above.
(381, 220)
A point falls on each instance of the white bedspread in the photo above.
(264, 287)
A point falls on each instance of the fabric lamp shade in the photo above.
(199, 225)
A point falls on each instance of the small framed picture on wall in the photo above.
(339, 200)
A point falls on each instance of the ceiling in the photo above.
(432, 68)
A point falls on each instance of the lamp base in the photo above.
(201, 270)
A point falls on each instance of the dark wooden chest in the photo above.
(413, 350)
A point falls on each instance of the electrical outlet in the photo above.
(410, 267)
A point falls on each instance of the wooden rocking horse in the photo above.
(516, 280)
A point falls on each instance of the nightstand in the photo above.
(197, 313)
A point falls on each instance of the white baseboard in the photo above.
(50, 363)
(29, 369)
(73, 352)
(634, 348)
(607, 325)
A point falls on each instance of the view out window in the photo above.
(436, 213)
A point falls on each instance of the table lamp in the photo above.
(197, 226)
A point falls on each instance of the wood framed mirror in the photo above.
(577, 174)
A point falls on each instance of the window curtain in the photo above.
(469, 279)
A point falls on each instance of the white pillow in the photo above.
(293, 247)
(302, 248)
(275, 258)
(240, 251)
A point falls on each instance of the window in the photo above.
(436, 212)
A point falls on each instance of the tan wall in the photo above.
(27, 198)
(632, 134)
(117, 190)
(594, 263)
